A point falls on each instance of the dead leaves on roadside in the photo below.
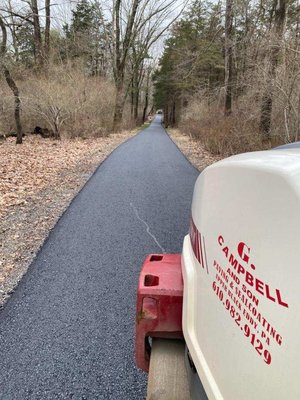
(193, 150)
(25, 169)
(38, 179)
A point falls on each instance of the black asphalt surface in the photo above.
(67, 332)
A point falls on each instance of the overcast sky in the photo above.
(61, 13)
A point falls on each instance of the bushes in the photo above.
(220, 135)
(64, 100)
(203, 119)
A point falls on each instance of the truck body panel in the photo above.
(241, 307)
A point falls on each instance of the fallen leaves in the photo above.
(38, 179)
(193, 150)
(28, 168)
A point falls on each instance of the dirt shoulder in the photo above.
(38, 180)
(193, 149)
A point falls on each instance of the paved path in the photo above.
(68, 330)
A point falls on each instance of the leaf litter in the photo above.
(193, 149)
(38, 180)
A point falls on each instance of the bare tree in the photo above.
(129, 20)
(147, 89)
(47, 29)
(13, 25)
(228, 57)
(10, 81)
(140, 53)
(39, 51)
(272, 63)
(121, 52)
(31, 15)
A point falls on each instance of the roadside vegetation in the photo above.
(193, 149)
(230, 74)
(78, 69)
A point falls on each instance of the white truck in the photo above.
(220, 321)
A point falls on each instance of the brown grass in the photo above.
(64, 99)
(229, 135)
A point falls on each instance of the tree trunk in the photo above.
(39, 56)
(11, 83)
(146, 96)
(267, 99)
(266, 113)
(121, 55)
(13, 30)
(174, 114)
(228, 57)
(146, 105)
(119, 107)
(136, 99)
(131, 99)
(47, 30)
(166, 116)
(170, 115)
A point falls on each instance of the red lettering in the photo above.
(278, 339)
(221, 240)
(268, 295)
(259, 286)
(249, 278)
(226, 251)
(240, 270)
(243, 251)
(233, 261)
(280, 300)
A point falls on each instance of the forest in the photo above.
(230, 74)
(78, 68)
(226, 73)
